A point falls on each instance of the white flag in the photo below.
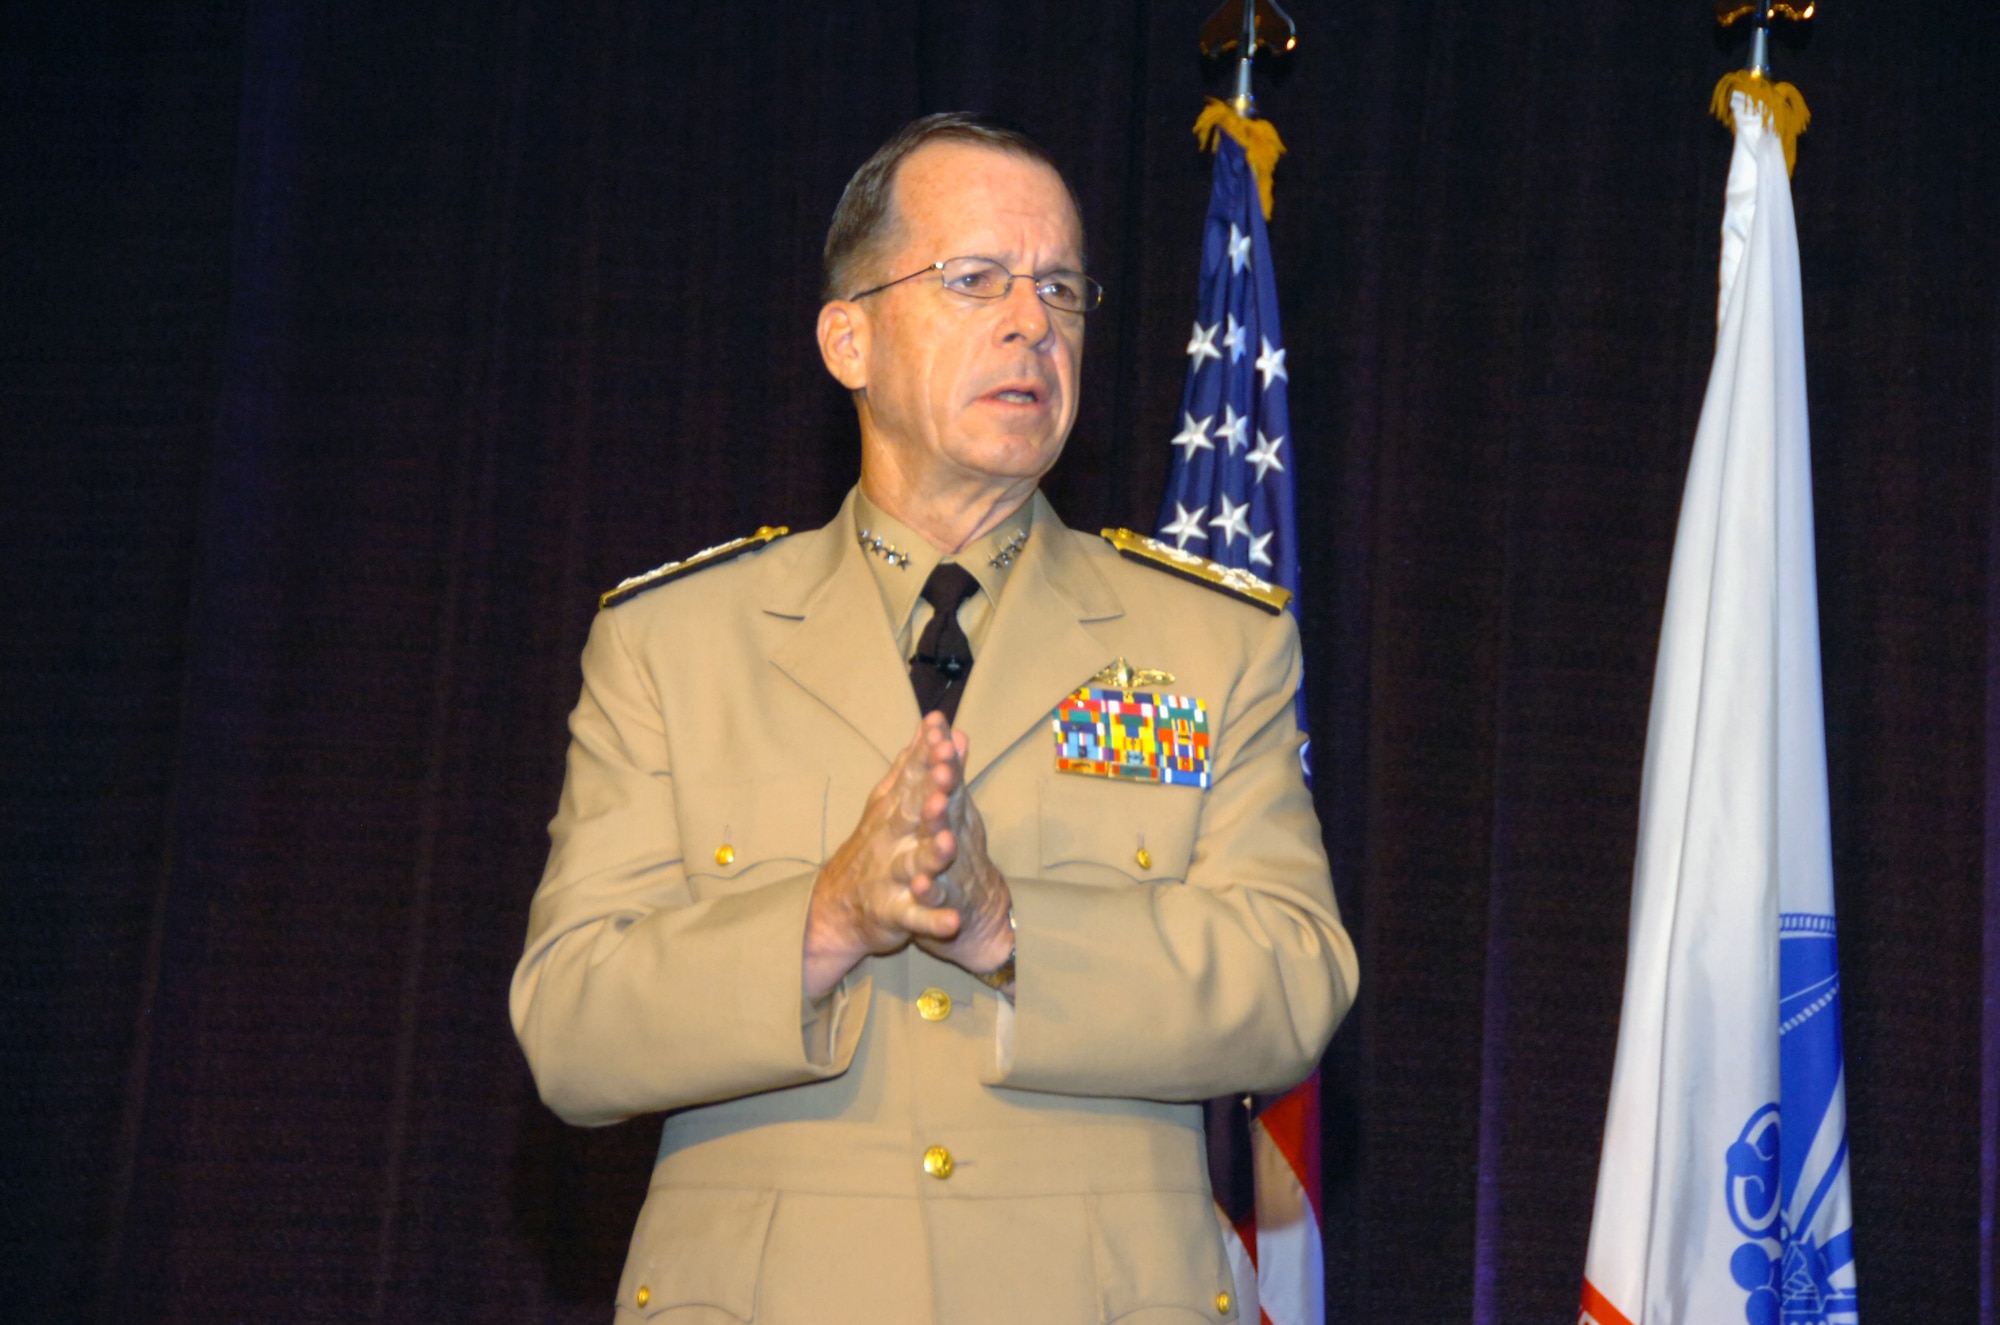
(1722, 1194)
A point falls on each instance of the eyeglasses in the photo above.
(983, 278)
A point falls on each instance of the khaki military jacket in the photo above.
(896, 1153)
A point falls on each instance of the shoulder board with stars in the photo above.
(1225, 579)
(673, 570)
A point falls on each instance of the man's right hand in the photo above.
(862, 901)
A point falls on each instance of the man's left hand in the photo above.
(971, 885)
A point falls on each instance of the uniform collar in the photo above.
(1039, 644)
(900, 559)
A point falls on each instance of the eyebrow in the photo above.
(1044, 271)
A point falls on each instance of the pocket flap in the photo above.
(1142, 829)
(697, 1246)
(729, 829)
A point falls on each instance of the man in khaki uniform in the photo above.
(930, 997)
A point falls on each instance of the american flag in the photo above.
(1229, 498)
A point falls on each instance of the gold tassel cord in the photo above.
(1258, 138)
(1783, 109)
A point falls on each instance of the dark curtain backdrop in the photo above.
(349, 349)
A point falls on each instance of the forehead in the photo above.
(969, 199)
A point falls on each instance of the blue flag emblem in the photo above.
(1797, 1266)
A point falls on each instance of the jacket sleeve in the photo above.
(634, 996)
(1231, 980)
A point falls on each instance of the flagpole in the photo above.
(1245, 100)
(1229, 498)
(1760, 42)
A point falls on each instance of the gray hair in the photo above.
(865, 224)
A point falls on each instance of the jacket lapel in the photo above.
(842, 653)
(1038, 648)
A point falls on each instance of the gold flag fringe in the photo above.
(1784, 110)
(1259, 140)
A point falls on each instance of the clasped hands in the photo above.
(915, 870)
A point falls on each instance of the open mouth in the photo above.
(1018, 393)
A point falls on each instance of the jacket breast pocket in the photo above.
(696, 1255)
(742, 835)
(1095, 830)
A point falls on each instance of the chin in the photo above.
(1015, 457)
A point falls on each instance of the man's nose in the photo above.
(1023, 313)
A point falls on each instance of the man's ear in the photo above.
(843, 342)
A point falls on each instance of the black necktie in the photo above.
(944, 654)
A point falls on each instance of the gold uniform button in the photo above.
(1222, 1302)
(724, 854)
(1144, 857)
(643, 1296)
(934, 1005)
(937, 1162)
